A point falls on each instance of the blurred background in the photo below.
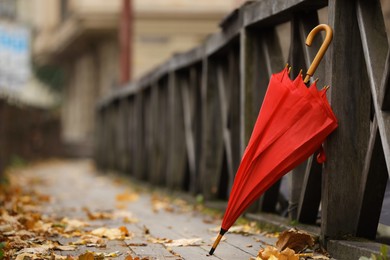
(59, 57)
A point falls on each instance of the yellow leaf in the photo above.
(112, 233)
(185, 242)
(127, 196)
(87, 256)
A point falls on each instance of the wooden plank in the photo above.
(270, 60)
(374, 39)
(297, 62)
(375, 47)
(196, 97)
(310, 199)
(212, 139)
(234, 107)
(384, 97)
(304, 206)
(351, 102)
(176, 152)
(269, 12)
(373, 186)
(189, 135)
(131, 127)
(140, 145)
(123, 129)
(223, 100)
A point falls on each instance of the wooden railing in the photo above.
(185, 124)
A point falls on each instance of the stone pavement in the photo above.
(158, 227)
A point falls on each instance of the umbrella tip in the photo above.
(217, 240)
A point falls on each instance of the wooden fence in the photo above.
(185, 124)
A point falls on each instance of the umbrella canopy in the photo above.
(292, 124)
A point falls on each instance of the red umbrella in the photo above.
(292, 124)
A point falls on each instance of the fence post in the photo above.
(351, 102)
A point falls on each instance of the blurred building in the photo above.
(17, 82)
(81, 38)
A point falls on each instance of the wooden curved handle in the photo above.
(321, 51)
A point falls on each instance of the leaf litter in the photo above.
(293, 244)
(27, 233)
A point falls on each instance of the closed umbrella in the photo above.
(292, 124)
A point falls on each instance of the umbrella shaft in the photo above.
(216, 242)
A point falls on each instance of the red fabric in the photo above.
(292, 124)
(321, 156)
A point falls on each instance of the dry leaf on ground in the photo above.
(127, 197)
(73, 225)
(247, 229)
(185, 242)
(272, 253)
(90, 241)
(161, 203)
(294, 239)
(113, 233)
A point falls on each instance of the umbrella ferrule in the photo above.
(216, 242)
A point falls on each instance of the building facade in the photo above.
(81, 38)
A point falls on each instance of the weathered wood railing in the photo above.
(186, 123)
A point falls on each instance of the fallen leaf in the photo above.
(185, 242)
(137, 244)
(5, 228)
(125, 215)
(161, 203)
(295, 240)
(247, 229)
(73, 224)
(34, 250)
(87, 256)
(157, 240)
(26, 256)
(90, 241)
(112, 233)
(272, 253)
(127, 197)
(65, 248)
(60, 257)
(98, 215)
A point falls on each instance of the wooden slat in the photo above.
(140, 147)
(351, 103)
(310, 199)
(270, 12)
(212, 139)
(261, 56)
(375, 49)
(271, 61)
(305, 188)
(234, 106)
(373, 186)
(223, 99)
(176, 152)
(131, 126)
(196, 89)
(384, 97)
(297, 63)
(188, 128)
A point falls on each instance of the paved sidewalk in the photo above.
(158, 227)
